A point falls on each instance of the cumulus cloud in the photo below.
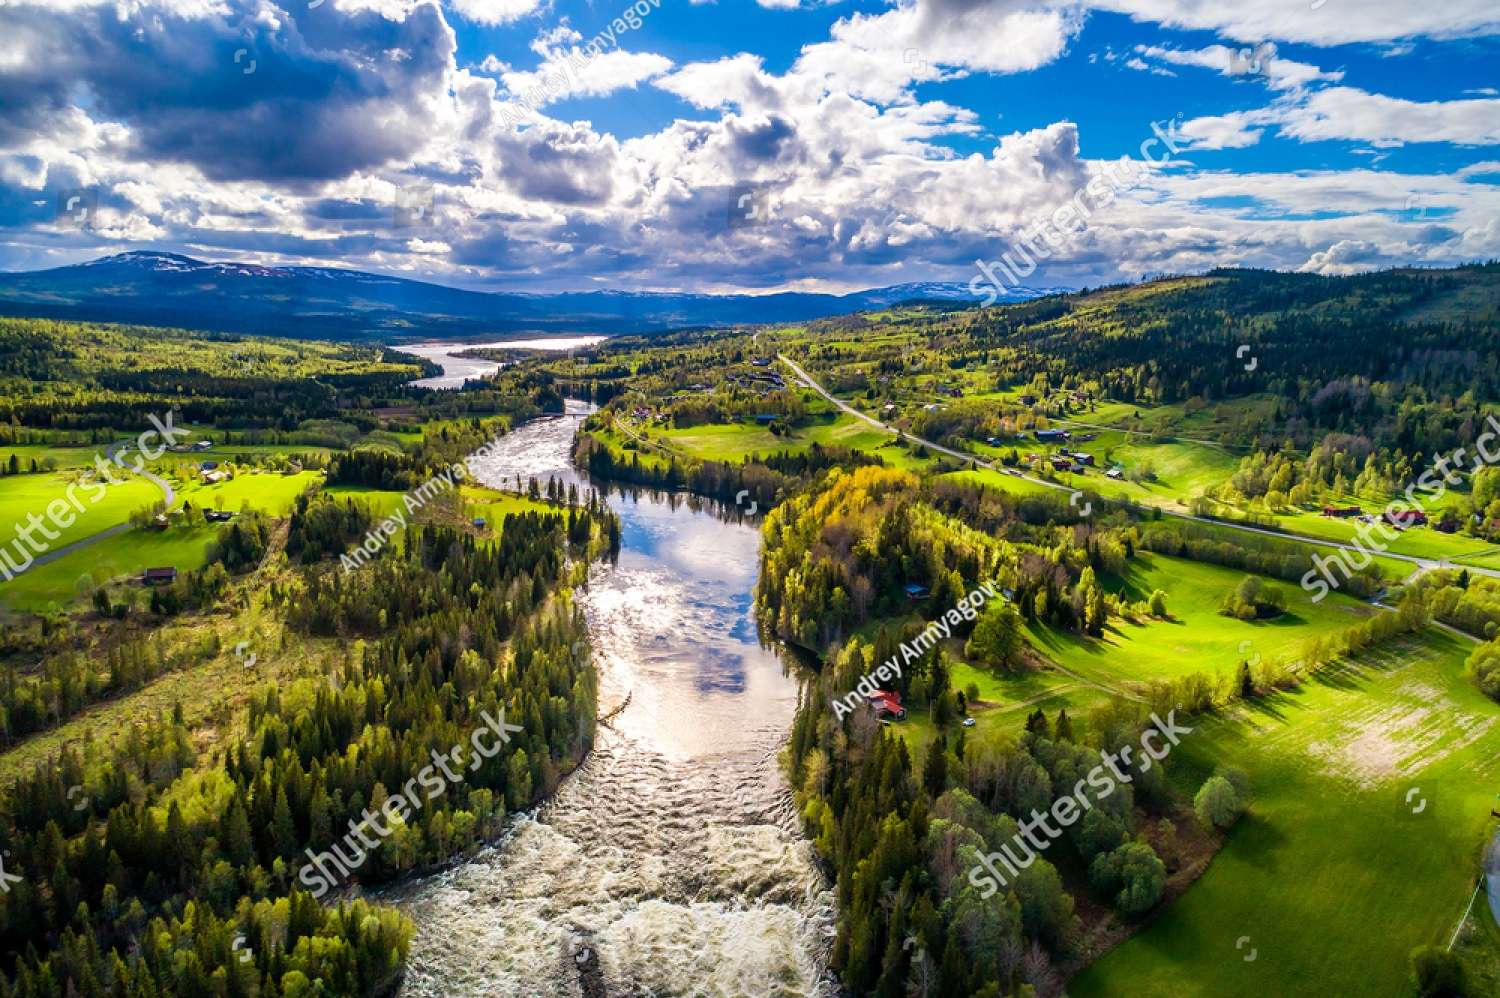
(495, 12)
(356, 106)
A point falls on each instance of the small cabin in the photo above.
(915, 591)
(479, 522)
(159, 576)
(1341, 512)
(208, 465)
(886, 703)
(218, 515)
(1052, 436)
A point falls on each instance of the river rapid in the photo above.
(670, 863)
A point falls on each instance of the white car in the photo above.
(969, 722)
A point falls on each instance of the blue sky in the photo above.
(485, 143)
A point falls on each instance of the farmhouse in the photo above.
(886, 703)
(1408, 518)
(1052, 436)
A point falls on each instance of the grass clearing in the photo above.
(24, 495)
(1197, 638)
(1331, 875)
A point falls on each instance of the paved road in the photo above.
(168, 493)
(1423, 564)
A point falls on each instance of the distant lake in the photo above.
(457, 370)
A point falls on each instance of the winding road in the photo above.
(1423, 564)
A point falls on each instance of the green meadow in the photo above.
(267, 491)
(734, 442)
(23, 495)
(124, 555)
(1196, 637)
(1371, 788)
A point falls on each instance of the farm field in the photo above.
(127, 554)
(1418, 542)
(1338, 870)
(268, 492)
(1197, 638)
(737, 441)
(22, 495)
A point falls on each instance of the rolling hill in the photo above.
(330, 303)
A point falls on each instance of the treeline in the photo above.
(844, 552)
(1262, 555)
(440, 448)
(322, 526)
(766, 479)
(917, 911)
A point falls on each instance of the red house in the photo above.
(1408, 518)
(1342, 512)
(886, 703)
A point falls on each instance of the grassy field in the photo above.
(125, 554)
(268, 492)
(1339, 869)
(21, 495)
(736, 441)
(1197, 638)
(495, 506)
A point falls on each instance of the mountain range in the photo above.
(167, 289)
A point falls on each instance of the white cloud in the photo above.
(495, 12)
(1348, 113)
(1258, 62)
(1336, 22)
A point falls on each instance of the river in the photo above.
(670, 863)
(457, 370)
